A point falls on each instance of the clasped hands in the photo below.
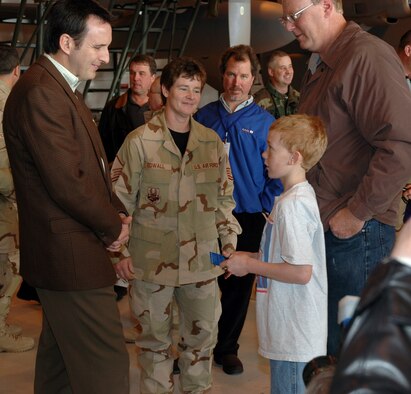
(124, 234)
(124, 268)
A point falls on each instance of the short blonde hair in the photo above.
(303, 133)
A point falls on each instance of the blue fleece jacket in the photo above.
(246, 130)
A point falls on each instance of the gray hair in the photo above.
(337, 4)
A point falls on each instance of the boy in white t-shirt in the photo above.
(292, 282)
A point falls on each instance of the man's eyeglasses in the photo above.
(292, 18)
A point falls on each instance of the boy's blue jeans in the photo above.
(287, 377)
(349, 264)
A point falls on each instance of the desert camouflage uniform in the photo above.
(275, 103)
(8, 211)
(10, 338)
(180, 207)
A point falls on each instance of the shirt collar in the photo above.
(71, 79)
(244, 104)
(332, 57)
(314, 62)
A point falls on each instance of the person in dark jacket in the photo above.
(126, 112)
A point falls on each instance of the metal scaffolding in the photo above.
(158, 28)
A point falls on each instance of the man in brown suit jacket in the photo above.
(69, 216)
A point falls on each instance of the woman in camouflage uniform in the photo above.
(173, 175)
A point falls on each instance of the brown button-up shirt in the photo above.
(359, 91)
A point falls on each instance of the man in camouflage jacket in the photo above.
(278, 97)
(11, 339)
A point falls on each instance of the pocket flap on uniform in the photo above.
(207, 176)
(148, 233)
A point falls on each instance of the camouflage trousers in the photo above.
(200, 308)
(9, 265)
(9, 282)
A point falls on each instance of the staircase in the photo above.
(158, 28)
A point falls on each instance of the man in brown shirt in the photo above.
(356, 85)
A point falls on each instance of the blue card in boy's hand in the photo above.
(216, 258)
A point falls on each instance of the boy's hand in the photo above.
(236, 264)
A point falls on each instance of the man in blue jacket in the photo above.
(243, 126)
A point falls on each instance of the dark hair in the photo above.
(146, 59)
(70, 17)
(405, 40)
(9, 59)
(240, 53)
(185, 67)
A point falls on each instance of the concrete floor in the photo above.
(17, 369)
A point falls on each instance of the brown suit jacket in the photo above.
(67, 211)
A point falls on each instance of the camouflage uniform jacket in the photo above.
(180, 205)
(8, 211)
(275, 103)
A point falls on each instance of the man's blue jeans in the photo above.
(287, 377)
(349, 264)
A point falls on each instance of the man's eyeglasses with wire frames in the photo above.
(292, 18)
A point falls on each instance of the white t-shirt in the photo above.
(291, 318)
